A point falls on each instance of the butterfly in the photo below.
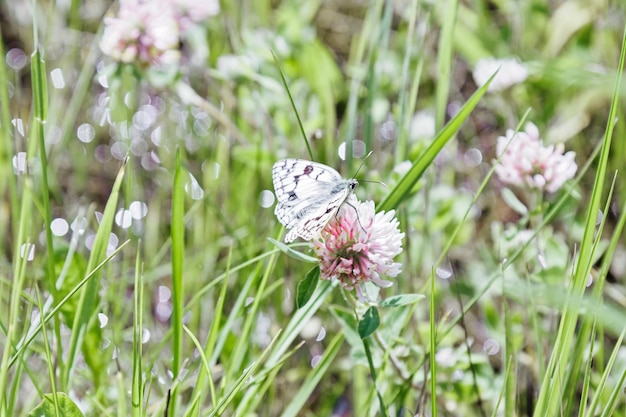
(309, 194)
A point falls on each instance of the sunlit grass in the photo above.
(164, 287)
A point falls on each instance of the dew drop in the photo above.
(27, 251)
(86, 133)
(193, 188)
(473, 157)
(491, 346)
(164, 294)
(315, 360)
(358, 149)
(59, 227)
(123, 218)
(19, 125)
(138, 209)
(58, 81)
(19, 163)
(322, 335)
(103, 319)
(443, 273)
(119, 150)
(16, 59)
(266, 198)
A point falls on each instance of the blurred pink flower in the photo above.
(528, 163)
(358, 246)
(144, 31)
(190, 12)
(511, 72)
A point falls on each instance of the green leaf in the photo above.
(512, 201)
(401, 300)
(404, 187)
(293, 253)
(369, 323)
(307, 286)
(67, 407)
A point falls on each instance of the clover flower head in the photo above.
(144, 31)
(511, 72)
(191, 12)
(526, 162)
(358, 246)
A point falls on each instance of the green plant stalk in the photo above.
(293, 106)
(89, 294)
(379, 45)
(444, 61)
(7, 178)
(205, 376)
(178, 256)
(46, 344)
(510, 260)
(408, 101)
(26, 340)
(403, 188)
(601, 385)
(510, 387)
(19, 272)
(40, 95)
(370, 362)
(371, 20)
(548, 402)
(313, 378)
(432, 333)
(587, 379)
(507, 375)
(584, 332)
(228, 397)
(616, 394)
(138, 307)
(254, 395)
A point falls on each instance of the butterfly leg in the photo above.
(357, 216)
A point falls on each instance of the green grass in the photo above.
(199, 309)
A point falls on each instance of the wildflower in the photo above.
(191, 12)
(511, 72)
(143, 31)
(528, 163)
(358, 246)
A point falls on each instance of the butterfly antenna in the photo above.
(362, 162)
(375, 182)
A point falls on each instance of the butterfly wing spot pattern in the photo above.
(309, 194)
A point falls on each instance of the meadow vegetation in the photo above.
(478, 269)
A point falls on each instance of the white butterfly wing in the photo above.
(309, 194)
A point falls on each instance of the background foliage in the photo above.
(166, 293)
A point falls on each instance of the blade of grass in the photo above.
(408, 101)
(46, 344)
(549, 400)
(178, 256)
(25, 342)
(432, 333)
(137, 383)
(89, 294)
(403, 189)
(444, 59)
(17, 285)
(313, 377)
(205, 375)
(293, 106)
(241, 381)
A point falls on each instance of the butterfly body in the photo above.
(309, 194)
